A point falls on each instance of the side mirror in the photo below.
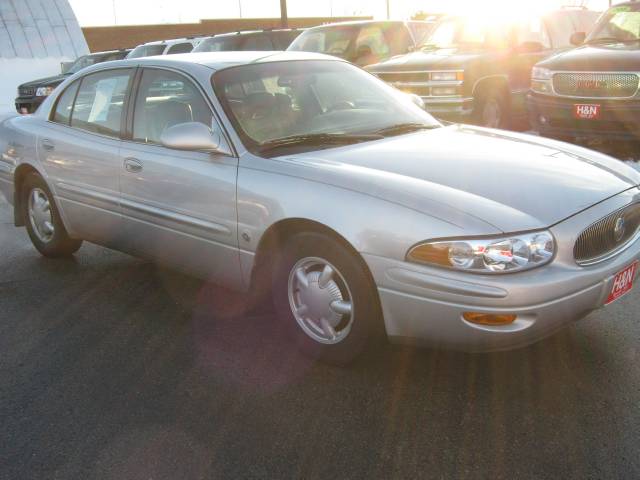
(530, 47)
(578, 38)
(417, 100)
(65, 66)
(191, 136)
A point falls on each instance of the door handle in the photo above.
(48, 145)
(132, 165)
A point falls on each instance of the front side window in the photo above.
(62, 113)
(166, 99)
(147, 51)
(332, 41)
(258, 43)
(99, 104)
(470, 34)
(180, 48)
(272, 101)
(218, 44)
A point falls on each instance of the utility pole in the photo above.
(284, 17)
(115, 18)
(240, 8)
(388, 9)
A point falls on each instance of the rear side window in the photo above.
(180, 48)
(166, 99)
(100, 102)
(258, 42)
(64, 106)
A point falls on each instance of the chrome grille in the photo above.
(596, 85)
(27, 91)
(599, 241)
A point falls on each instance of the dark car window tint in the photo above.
(258, 42)
(282, 40)
(99, 105)
(62, 113)
(166, 99)
(180, 48)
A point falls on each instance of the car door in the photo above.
(179, 207)
(79, 147)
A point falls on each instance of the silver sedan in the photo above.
(307, 178)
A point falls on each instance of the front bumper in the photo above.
(424, 305)
(554, 117)
(450, 108)
(28, 104)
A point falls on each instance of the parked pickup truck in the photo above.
(592, 92)
(32, 94)
(477, 71)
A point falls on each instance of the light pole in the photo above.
(240, 8)
(115, 18)
(388, 9)
(284, 17)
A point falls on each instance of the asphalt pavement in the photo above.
(112, 368)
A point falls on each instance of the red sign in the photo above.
(586, 112)
(622, 283)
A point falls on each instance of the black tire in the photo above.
(60, 244)
(492, 98)
(366, 323)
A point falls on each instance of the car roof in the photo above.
(357, 23)
(255, 32)
(217, 60)
(173, 40)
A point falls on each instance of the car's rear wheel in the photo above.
(43, 221)
(492, 109)
(325, 298)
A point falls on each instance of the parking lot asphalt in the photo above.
(112, 368)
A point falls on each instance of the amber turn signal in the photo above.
(489, 319)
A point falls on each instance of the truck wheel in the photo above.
(43, 222)
(492, 109)
(325, 299)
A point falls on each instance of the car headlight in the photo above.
(512, 253)
(447, 76)
(539, 73)
(44, 91)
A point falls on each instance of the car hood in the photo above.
(596, 58)
(444, 59)
(45, 82)
(511, 182)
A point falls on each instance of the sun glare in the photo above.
(489, 10)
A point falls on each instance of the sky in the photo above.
(131, 12)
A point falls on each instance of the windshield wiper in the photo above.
(316, 139)
(401, 128)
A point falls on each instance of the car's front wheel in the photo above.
(43, 221)
(325, 298)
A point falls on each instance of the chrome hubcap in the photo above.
(492, 114)
(40, 215)
(320, 300)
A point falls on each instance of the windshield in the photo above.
(146, 51)
(279, 100)
(220, 44)
(82, 62)
(467, 32)
(620, 24)
(332, 41)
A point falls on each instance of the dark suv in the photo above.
(267, 40)
(592, 92)
(32, 94)
(363, 42)
(478, 71)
